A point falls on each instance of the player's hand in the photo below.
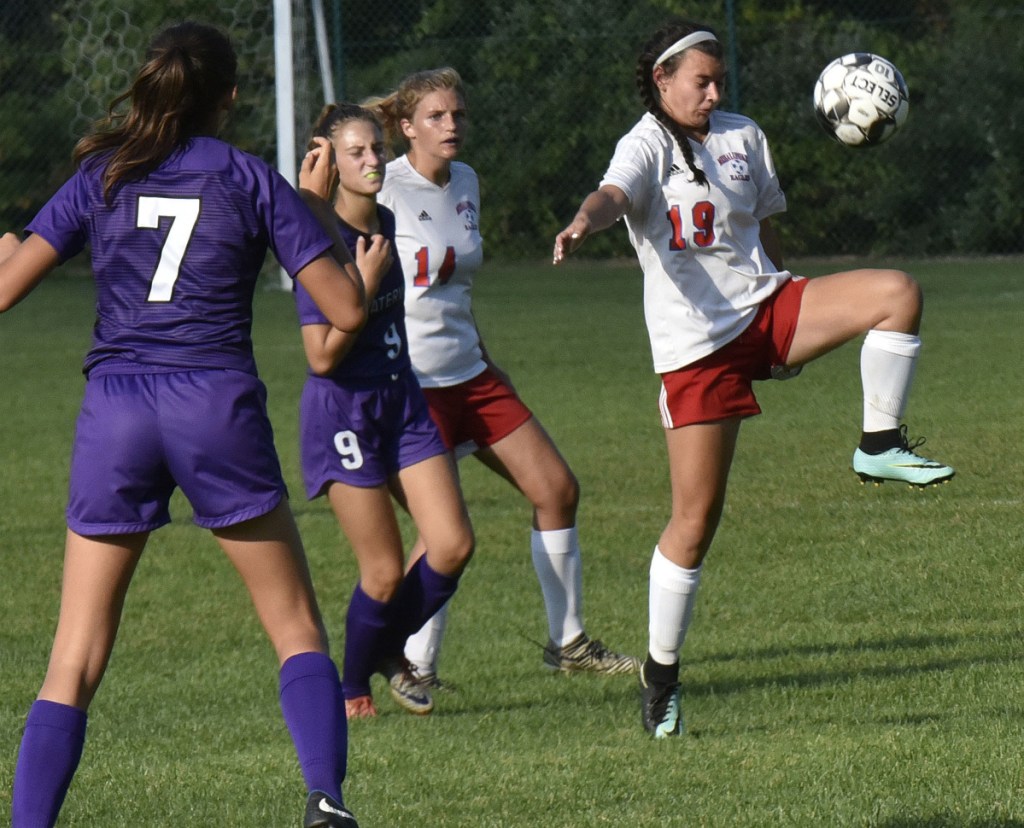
(570, 239)
(373, 260)
(317, 172)
(9, 242)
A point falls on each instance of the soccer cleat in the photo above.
(432, 681)
(588, 655)
(901, 464)
(361, 707)
(660, 708)
(323, 811)
(407, 689)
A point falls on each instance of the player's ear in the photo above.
(408, 130)
(660, 77)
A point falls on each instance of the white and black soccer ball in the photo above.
(861, 99)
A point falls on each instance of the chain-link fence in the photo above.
(550, 88)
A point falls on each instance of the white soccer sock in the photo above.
(673, 592)
(423, 647)
(887, 362)
(559, 567)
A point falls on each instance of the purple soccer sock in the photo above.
(423, 592)
(50, 750)
(366, 630)
(315, 714)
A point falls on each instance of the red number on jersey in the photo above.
(677, 242)
(704, 223)
(703, 215)
(444, 273)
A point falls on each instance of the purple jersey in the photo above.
(176, 255)
(380, 349)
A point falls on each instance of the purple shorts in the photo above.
(362, 432)
(139, 436)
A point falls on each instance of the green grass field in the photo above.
(855, 657)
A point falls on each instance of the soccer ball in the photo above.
(861, 99)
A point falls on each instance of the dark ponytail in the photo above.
(189, 73)
(659, 42)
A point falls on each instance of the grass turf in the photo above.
(854, 658)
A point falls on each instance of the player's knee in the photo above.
(381, 582)
(903, 293)
(561, 497)
(450, 556)
(304, 632)
(464, 545)
(691, 534)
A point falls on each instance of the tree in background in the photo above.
(550, 88)
(33, 114)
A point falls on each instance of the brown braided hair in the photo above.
(659, 42)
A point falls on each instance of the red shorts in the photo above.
(720, 385)
(481, 411)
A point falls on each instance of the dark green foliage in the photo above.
(551, 89)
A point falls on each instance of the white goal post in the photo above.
(284, 85)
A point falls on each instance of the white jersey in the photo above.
(705, 271)
(438, 242)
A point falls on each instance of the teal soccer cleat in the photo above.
(901, 464)
(660, 707)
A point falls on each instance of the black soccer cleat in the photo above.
(323, 811)
(660, 707)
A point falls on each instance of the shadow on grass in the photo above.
(615, 691)
(912, 642)
(1002, 648)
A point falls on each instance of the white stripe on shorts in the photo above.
(666, 415)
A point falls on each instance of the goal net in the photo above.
(284, 69)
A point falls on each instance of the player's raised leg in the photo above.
(886, 304)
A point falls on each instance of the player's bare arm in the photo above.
(22, 267)
(327, 346)
(337, 291)
(599, 210)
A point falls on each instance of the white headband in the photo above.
(688, 41)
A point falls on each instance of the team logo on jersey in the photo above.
(467, 209)
(675, 169)
(736, 166)
(424, 216)
(387, 300)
